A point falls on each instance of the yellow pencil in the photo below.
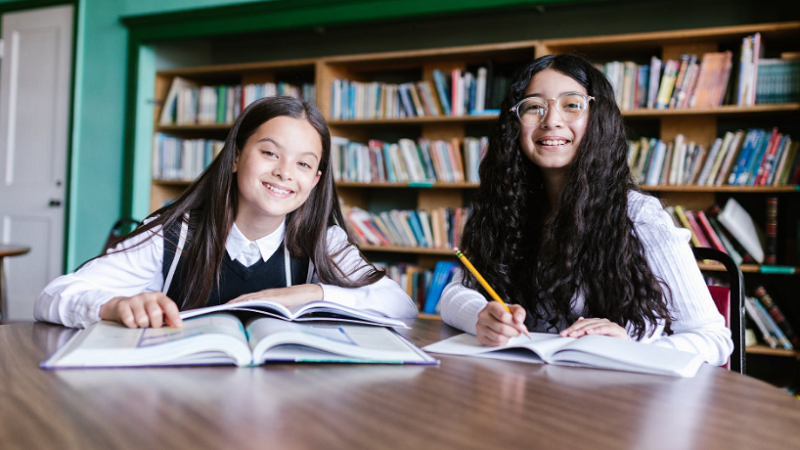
(483, 283)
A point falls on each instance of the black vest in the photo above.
(235, 279)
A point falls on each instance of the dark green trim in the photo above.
(287, 14)
(24, 5)
(129, 149)
(33, 4)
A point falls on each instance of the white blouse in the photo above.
(74, 299)
(698, 326)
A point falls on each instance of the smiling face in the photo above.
(553, 142)
(276, 171)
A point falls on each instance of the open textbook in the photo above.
(601, 352)
(312, 311)
(222, 338)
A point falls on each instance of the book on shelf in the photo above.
(738, 253)
(223, 338)
(177, 90)
(600, 352)
(771, 232)
(777, 315)
(772, 327)
(760, 322)
(442, 275)
(667, 83)
(740, 224)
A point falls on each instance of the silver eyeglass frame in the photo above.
(586, 100)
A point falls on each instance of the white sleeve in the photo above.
(384, 297)
(461, 305)
(74, 299)
(698, 327)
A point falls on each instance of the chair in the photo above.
(118, 232)
(725, 297)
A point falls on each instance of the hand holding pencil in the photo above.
(493, 318)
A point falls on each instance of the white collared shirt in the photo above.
(248, 252)
(74, 299)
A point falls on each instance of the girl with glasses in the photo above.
(262, 221)
(561, 231)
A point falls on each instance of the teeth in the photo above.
(554, 142)
(279, 191)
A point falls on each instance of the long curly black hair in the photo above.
(588, 244)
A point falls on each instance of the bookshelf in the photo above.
(702, 125)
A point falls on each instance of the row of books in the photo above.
(456, 93)
(439, 228)
(731, 230)
(424, 286)
(778, 81)
(423, 161)
(175, 158)
(754, 158)
(775, 329)
(690, 82)
(704, 81)
(189, 103)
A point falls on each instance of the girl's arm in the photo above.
(698, 327)
(74, 300)
(461, 305)
(468, 310)
(383, 297)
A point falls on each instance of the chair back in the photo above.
(118, 232)
(730, 303)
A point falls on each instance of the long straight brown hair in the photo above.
(210, 205)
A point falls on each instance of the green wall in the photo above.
(110, 169)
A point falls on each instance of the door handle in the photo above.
(54, 203)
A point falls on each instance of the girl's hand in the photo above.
(599, 327)
(496, 325)
(288, 296)
(149, 309)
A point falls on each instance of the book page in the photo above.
(540, 347)
(361, 342)
(611, 353)
(312, 311)
(218, 338)
(322, 310)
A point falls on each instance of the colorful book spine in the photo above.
(777, 315)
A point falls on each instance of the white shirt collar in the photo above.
(237, 243)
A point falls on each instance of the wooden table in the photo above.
(465, 403)
(7, 250)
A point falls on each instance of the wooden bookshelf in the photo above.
(701, 125)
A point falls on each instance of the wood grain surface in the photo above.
(465, 403)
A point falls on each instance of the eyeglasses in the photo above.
(570, 105)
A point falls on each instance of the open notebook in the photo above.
(222, 338)
(601, 352)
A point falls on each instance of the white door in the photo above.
(35, 80)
